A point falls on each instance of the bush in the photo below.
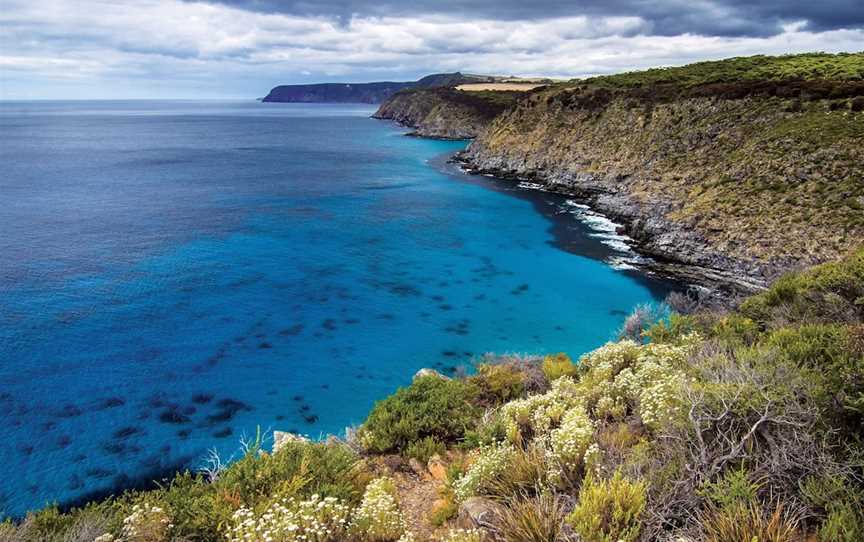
(488, 464)
(842, 504)
(609, 510)
(498, 383)
(734, 489)
(299, 469)
(430, 407)
(378, 518)
(316, 519)
(557, 365)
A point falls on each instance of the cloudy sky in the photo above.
(241, 48)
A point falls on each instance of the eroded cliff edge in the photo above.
(445, 113)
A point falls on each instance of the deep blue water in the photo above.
(175, 274)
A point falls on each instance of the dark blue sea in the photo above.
(175, 275)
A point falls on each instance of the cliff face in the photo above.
(739, 182)
(445, 113)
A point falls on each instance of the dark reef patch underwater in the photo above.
(177, 274)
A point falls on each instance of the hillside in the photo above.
(444, 112)
(371, 93)
(703, 425)
(740, 169)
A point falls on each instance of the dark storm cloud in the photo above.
(664, 18)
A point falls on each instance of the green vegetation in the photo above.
(808, 66)
(430, 407)
(716, 425)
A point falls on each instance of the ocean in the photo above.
(177, 275)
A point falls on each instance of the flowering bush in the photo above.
(287, 520)
(146, 523)
(627, 377)
(569, 442)
(378, 518)
(541, 413)
(489, 462)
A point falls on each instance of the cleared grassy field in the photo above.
(512, 87)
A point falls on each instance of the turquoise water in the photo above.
(177, 274)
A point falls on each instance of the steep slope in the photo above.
(444, 112)
(739, 169)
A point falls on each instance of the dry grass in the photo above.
(750, 523)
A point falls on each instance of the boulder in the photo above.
(437, 468)
(477, 513)
(429, 372)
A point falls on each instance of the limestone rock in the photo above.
(477, 513)
(429, 372)
(281, 438)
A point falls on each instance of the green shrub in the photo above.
(498, 383)
(734, 489)
(823, 293)
(558, 365)
(843, 506)
(430, 407)
(299, 468)
(609, 510)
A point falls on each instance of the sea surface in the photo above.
(176, 275)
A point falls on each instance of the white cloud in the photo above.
(94, 48)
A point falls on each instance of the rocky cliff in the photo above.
(445, 113)
(738, 180)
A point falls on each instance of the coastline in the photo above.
(634, 223)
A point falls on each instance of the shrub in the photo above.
(734, 489)
(498, 383)
(532, 519)
(609, 510)
(569, 442)
(841, 502)
(749, 522)
(148, 522)
(316, 519)
(378, 518)
(429, 407)
(488, 464)
(557, 365)
(640, 320)
(298, 468)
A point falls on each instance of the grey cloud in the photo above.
(733, 18)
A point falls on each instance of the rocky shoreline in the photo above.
(670, 250)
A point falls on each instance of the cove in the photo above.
(177, 274)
